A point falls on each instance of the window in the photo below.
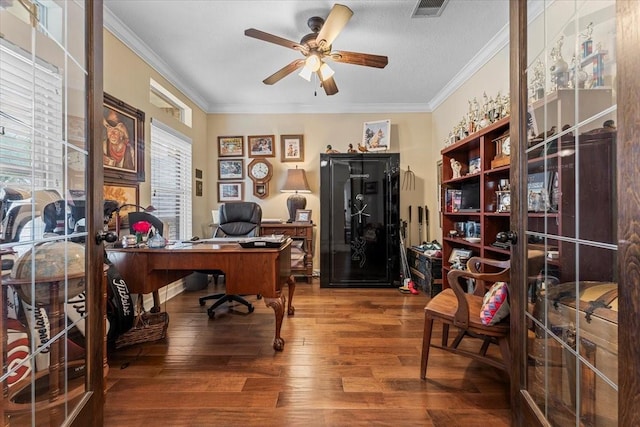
(169, 103)
(31, 146)
(171, 179)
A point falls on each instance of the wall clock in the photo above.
(260, 171)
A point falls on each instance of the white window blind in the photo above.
(171, 179)
(31, 120)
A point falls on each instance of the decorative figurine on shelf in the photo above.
(351, 149)
(362, 147)
(456, 167)
(331, 150)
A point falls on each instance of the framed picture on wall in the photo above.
(124, 194)
(122, 141)
(230, 169)
(230, 146)
(230, 191)
(291, 148)
(376, 136)
(261, 146)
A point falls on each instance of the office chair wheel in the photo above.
(211, 313)
(251, 308)
(259, 296)
(201, 302)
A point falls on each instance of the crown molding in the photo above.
(318, 109)
(116, 27)
(497, 42)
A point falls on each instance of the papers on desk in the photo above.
(271, 221)
(263, 241)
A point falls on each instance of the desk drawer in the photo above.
(288, 231)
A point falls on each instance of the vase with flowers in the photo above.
(141, 228)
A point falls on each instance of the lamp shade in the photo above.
(296, 183)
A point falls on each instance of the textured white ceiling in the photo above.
(200, 46)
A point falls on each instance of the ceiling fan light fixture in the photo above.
(326, 71)
(313, 62)
(305, 73)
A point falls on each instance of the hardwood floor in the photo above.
(351, 358)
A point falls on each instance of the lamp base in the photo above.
(295, 202)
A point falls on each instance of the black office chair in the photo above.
(238, 219)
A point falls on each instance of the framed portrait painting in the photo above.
(291, 148)
(230, 146)
(122, 141)
(230, 191)
(261, 146)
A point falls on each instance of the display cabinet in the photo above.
(473, 210)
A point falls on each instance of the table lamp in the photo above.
(296, 183)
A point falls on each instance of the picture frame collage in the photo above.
(232, 164)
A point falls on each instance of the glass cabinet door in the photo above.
(44, 130)
(572, 291)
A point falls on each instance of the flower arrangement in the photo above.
(141, 228)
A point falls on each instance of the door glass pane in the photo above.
(571, 220)
(42, 194)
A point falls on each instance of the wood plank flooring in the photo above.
(351, 358)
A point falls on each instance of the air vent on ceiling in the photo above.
(429, 8)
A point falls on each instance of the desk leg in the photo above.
(156, 302)
(291, 284)
(278, 308)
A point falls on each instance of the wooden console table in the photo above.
(259, 271)
(297, 231)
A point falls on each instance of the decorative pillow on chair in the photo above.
(495, 304)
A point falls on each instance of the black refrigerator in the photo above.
(359, 220)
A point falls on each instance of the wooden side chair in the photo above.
(476, 316)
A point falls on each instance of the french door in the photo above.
(52, 305)
(575, 121)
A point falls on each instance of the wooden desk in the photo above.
(247, 271)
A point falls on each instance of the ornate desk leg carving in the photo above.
(291, 284)
(278, 308)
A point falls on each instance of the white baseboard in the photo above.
(165, 293)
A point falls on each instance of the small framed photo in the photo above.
(262, 146)
(230, 146)
(458, 254)
(230, 191)
(376, 136)
(303, 215)
(230, 169)
(199, 188)
(291, 148)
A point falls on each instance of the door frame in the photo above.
(90, 409)
(524, 411)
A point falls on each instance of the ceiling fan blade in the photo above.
(261, 35)
(330, 87)
(283, 72)
(366, 59)
(335, 22)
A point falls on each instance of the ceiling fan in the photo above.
(316, 49)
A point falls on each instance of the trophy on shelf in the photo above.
(559, 68)
(587, 44)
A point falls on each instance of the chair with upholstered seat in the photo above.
(471, 313)
(237, 219)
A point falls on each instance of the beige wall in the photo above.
(410, 135)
